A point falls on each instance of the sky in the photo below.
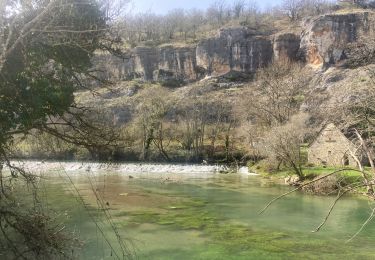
(163, 6)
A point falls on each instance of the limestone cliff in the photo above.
(150, 63)
(112, 67)
(325, 39)
(146, 61)
(177, 62)
(286, 46)
(234, 49)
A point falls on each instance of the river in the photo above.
(194, 212)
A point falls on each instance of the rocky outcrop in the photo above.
(237, 49)
(178, 63)
(325, 39)
(164, 63)
(146, 61)
(234, 49)
(150, 63)
(286, 46)
(114, 68)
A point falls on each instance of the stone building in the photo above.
(331, 148)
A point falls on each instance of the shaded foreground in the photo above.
(177, 216)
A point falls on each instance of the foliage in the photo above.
(298, 9)
(40, 65)
(190, 26)
(45, 52)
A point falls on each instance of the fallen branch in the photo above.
(363, 225)
(339, 196)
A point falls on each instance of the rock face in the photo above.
(286, 46)
(112, 67)
(234, 49)
(146, 61)
(177, 62)
(325, 39)
(150, 63)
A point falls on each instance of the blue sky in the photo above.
(163, 6)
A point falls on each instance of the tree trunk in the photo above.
(227, 142)
(146, 145)
(370, 188)
(159, 144)
(2, 192)
(297, 170)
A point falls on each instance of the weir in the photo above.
(127, 168)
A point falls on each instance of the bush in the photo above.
(309, 165)
(326, 186)
(263, 166)
(171, 83)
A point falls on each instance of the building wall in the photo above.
(331, 148)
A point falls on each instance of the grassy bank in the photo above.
(326, 186)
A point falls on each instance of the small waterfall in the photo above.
(78, 168)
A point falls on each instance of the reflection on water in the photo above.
(206, 216)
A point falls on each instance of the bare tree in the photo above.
(221, 123)
(193, 117)
(276, 95)
(297, 9)
(151, 112)
(177, 21)
(293, 9)
(320, 6)
(282, 144)
(238, 8)
(195, 19)
(218, 12)
(251, 13)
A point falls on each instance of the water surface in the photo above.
(204, 215)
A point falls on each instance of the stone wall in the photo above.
(331, 148)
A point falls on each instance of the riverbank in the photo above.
(342, 177)
(327, 186)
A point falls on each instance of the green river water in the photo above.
(211, 217)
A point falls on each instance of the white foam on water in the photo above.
(245, 171)
(138, 170)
